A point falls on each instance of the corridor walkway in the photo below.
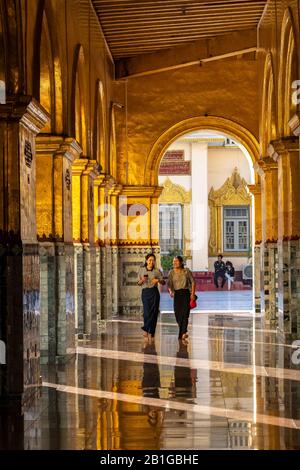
(231, 387)
(239, 301)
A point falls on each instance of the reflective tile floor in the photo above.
(211, 301)
(233, 386)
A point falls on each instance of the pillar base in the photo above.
(269, 278)
(289, 287)
(20, 322)
(57, 302)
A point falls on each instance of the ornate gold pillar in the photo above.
(88, 176)
(68, 151)
(97, 209)
(285, 152)
(109, 233)
(102, 235)
(55, 155)
(255, 189)
(78, 167)
(295, 326)
(268, 172)
(90, 172)
(114, 222)
(22, 118)
(98, 180)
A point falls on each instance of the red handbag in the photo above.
(193, 304)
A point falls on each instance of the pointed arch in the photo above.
(12, 46)
(47, 76)
(288, 72)
(113, 144)
(79, 124)
(99, 145)
(268, 123)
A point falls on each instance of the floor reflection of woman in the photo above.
(151, 375)
(149, 277)
(151, 383)
(183, 376)
(182, 287)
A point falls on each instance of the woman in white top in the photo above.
(149, 278)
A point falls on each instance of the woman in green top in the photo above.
(182, 287)
(149, 278)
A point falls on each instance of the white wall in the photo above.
(221, 163)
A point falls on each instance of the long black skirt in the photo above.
(182, 309)
(150, 299)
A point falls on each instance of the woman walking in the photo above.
(182, 287)
(149, 278)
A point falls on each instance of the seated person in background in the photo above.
(220, 270)
(229, 273)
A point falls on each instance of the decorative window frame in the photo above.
(176, 194)
(234, 192)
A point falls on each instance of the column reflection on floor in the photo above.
(226, 388)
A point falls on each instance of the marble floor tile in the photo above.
(232, 386)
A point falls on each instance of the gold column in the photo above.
(101, 212)
(85, 203)
(97, 206)
(90, 172)
(286, 153)
(111, 238)
(69, 151)
(55, 155)
(268, 171)
(46, 146)
(84, 172)
(109, 184)
(114, 196)
(255, 189)
(78, 167)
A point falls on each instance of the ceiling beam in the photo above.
(203, 50)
